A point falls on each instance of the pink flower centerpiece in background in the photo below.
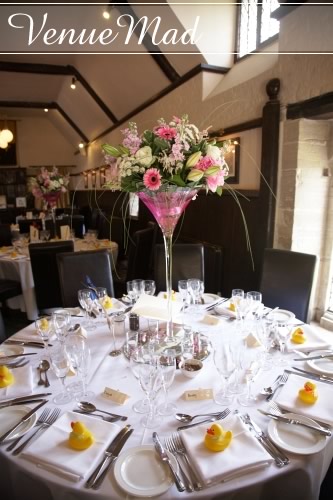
(166, 167)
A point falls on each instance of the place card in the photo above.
(34, 233)
(198, 394)
(65, 233)
(116, 396)
(209, 319)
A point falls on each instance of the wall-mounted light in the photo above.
(81, 145)
(73, 84)
(85, 176)
(106, 14)
(6, 135)
(3, 143)
(46, 110)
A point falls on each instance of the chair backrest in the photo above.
(286, 281)
(187, 262)
(77, 223)
(25, 224)
(140, 253)
(5, 235)
(75, 267)
(8, 290)
(45, 271)
(113, 228)
(213, 268)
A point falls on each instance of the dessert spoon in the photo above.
(44, 365)
(90, 408)
(183, 417)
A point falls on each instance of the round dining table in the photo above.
(299, 480)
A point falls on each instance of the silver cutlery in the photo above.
(213, 418)
(22, 420)
(212, 306)
(268, 390)
(314, 376)
(181, 450)
(320, 356)
(185, 418)
(104, 417)
(169, 444)
(165, 459)
(48, 422)
(23, 399)
(40, 421)
(294, 421)
(280, 458)
(282, 381)
(13, 356)
(19, 365)
(27, 343)
(110, 453)
(91, 408)
(275, 408)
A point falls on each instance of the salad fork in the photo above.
(48, 422)
(43, 416)
(282, 381)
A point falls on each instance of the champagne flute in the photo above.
(83, 368)
(225, 365)
(74, 346)
(251, 363)
(150, 379)
(84, 297)
(167, 364)
(60, 364)
(61, 320)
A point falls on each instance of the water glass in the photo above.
(60, 364)
(44, 328)
(254, 300)
(167, 364)
(237, 296)
(136, 360)
(225, 364)
(61, 320)
(149, 287)
(251, 364)
(117, 324)
(194, 288)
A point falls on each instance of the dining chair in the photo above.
(8, 290)
(25, 224)
(75, 267)
(187, 262)
(43, 257)
(139, 262)
(76, 222)
(5, 235)
(287, 279)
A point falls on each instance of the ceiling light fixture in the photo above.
(73, 84)
(46, 110)
(3, 143)
(81, 145)
(106, 14)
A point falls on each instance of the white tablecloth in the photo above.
(20, 270)
(298, 481)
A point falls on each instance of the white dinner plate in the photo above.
(10, 415)
(10, 350)
(281, 315)
(140, 472)
(209, 298)
(325, 365)
(295, 438)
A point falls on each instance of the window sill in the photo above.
(326, 321)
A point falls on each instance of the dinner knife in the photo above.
(28, 343)
(314, 376)
(26, 401)
(23, 419)
(112, 459)
(165, 459)
(23, 399)
(108, 452)
(294, 421)
(12, 356)
(320, 356)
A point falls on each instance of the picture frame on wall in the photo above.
(232, 158)
(21, 201)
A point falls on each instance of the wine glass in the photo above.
(44, 328)
(136, 359)
(194, 288)
(149, 287)
(85, 300)
(251, 364)
(167, 363)
(60, 364)
(282, 333)
(150, 379)
(74, 345)
(61, 320)
(225, 364)
(84, 364)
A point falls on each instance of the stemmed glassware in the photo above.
(61, 321)
(60, 364)
(134, 289)
(254, 300)
(282, 333)
(251, 364)
(150, 379)
(74, 346)
(225, 364)
(184, 295)
(83, 369)
(86, 302)
(194, 288)
(136, 360)
(149, 287)
(44, 328)
(167, 363)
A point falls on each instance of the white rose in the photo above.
(214, 152)
(144, 156)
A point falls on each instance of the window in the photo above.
(256, 25)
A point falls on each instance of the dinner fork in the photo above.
(48, 422)
(43, 416)
(282, 381)
(104, 417)
(181, 450)
(170, 445)
(276, 410)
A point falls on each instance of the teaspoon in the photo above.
(90, 408)
(44, 365)
(183, 417)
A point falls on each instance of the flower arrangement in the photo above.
(48, 182)
(174, 153)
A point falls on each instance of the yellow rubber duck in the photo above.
(107, 302)
(309, 393)
(44, 324)
(216, 439)
(6, 376)
(298, 336)
(80, 438)
(173, 295)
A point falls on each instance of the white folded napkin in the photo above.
(242, 455)
(322, 409)
(22, 384)
(51, 450)
(155, 307)
(313, 340)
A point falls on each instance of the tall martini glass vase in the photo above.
(167, 204)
